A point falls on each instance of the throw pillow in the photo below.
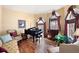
(3, 50)
(14, 34)
(6, 38)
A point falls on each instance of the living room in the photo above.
(29, 15)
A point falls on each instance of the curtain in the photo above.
(70, 30)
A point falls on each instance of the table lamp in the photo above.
(76, 33)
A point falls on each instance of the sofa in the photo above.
(65, 48)
(69, 48)
(11, 46)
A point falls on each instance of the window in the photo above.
(70, 30)
(54, 21)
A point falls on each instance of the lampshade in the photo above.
(76, 33)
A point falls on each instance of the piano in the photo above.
(34, 32)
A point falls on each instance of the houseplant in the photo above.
(59, 39)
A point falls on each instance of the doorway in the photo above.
(41, 25)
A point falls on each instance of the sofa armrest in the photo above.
(68, 48)
(11, 46)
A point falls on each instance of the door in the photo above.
(41, 26)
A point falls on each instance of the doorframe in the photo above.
(44, 23)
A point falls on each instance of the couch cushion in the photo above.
(53, 49)
(12, 32)
(11, 46)
(6, 38)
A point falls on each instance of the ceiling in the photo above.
(33, 8)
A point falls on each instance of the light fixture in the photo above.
(76, 33)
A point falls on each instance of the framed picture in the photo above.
(21, 23)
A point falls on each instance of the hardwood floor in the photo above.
(26, 46)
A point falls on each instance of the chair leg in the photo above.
(33, 39)
(36, 40)
(39, 40)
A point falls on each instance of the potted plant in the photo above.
(59, 39)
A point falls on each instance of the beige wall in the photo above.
(0, 18)
(10, 19)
